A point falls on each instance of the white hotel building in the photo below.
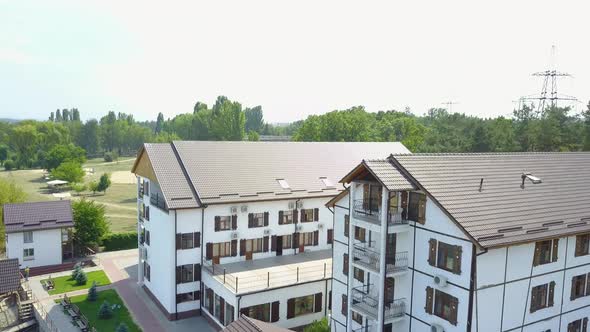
(230, 228)
(463, 242)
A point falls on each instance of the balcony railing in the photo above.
(394, 217)
(397, 263)
(157, 200)
(364, 302)
(395, 309)
(363, 328)
(370, 209)
(366, 257)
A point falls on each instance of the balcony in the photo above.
(365, 257)
(365, 303)
(394, 311)
(368, 210)
(394, 217)
(157, 200)
(397, 264)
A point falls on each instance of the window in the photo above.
(345, 264)
(545, 252)
(330, 235)
(542, 296)
(346, 224)
(582, 245)
(359, 274)
(307, 239)
(146, 187)
(222, 249)
(65, 235)
(357, 317)
(286, 217)
(146, 270)
(306, 215)
(223, 223)
(187, 241)
(28, 254)
(304, 305)
(580, 325)
(359, 233)
(28, 237)
(445, 256)
(287, 241)
(186, 273)
(218, 303)
(188, 297)
(417, 207)
(145, 212)
(344, 305)
(254, 245)
(229, 313)
(147, 237)
(442, 305)
(260, 312)
(257, 220)
(580, 286)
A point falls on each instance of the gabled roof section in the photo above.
(9, 275)
(170, 176)
(222, 172)
(23, 217)
(247, 324)
(502, 212)
(332, 202)
(384, 172)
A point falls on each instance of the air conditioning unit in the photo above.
(291, 205)
(234, 235)
(320, 226)
(299, 204)
(233, 210)
(267, 231)
(298, 228)
(244, 208)
(436, 328)
(440, 281)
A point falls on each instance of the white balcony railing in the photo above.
(364, 302)
(366, 257)
(395, 309)
(398, 263)
(367, 209)
(394, 217)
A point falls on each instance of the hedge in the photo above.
(120, 241)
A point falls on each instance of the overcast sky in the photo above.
(294, 58)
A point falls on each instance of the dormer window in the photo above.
(283, 183)
(327, 183)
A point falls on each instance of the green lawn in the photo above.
(67, 284)
(90, 310)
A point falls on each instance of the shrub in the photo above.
(122, 328)
(105, 311)
(70, 171)
(81, 278)
(104, 182)
(120, 241)
(110, 156)
(77, 270)
(78, 187)
(9, 165)
(92, 293)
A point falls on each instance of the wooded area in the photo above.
(45, 144)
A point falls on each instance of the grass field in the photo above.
(120, 199)
(90, 310)
(67, 284)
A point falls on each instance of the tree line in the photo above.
(64, 137)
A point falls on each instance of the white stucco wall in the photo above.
(46, 243)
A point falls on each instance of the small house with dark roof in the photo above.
(39, 233)
(9, 276)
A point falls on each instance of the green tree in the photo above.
(586, 115)
(70, 171)
(9, 193)
(318, 326)
(23, 140)
(81, 278)
(90, 222)
(58, 116)
(92, 293)
(3, 154)
(93, 186)
(78, 188)
(253, 136)
(64, 153)
(104, 182)
(199, 106)
(254, 119)
(91, 140)
(228, 123)
(159, 123)
(122, 328)
(76, 271)
(75, 114)
(105, 311)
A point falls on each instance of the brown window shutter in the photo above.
(178, 274)
(197, 295)
(217, 220)
(178, 241)
(295, 216)
(147, 237)
(422, 209)
(280, 217)
(212, 297)
(147, 213)
(316, 214)
(209, 251)
(404, 204)
(318, 302)
(273, 243)
(429, 300)
(588, 284)
(344, 305)
(537, 254)
(275, 312)
(149, 270)
(459, 251)
(295, 240)
(197, 239)
(242, 247)
(551, 301)
(316, 236)
(265, 218)
(432, 252)
(222, 308)
(234, 248)
(265, 244)
(290, 308)
(346, 225)
(454, 310)
(196, 272)
(345, 265)
(573, 289)
(330, 236)
(555, 248)
(585, 325)
(234, 222)
(250, 219)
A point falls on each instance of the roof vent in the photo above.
(532, 178)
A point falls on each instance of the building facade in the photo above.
(460, 243)
(230, 228)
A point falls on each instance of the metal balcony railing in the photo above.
(397, 263)
(395, 309)
(370, 209)
(394, 217)
(366, 257)
(364, 302)
(363, 328)
(157, 200)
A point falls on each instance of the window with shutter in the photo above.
(345, 264)
(542, 296)
(429, 300)
(346, 224)
(224, 223)
(275, 312)
(545, 252)
(449, 257)
(316, 214)
(318, 303)
(446, 306)
(432, 252)
(234, 222)
(582, 245)
(358, 274)
(303, 305)
(579, 288)
(330, 236)
(344, 309)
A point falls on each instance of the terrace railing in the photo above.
(157, 200)
(367, 209)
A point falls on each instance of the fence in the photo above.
(45, 323)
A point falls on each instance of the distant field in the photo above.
(120, 199)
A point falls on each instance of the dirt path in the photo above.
(111, 162)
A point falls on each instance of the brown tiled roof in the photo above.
(247, 324)
(503, 212)
(220, 172)
(21, 217)
(9, 275)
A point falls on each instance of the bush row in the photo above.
(120, 241)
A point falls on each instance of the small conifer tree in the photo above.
(122, 328)
(105, 311)
(81, 278)
(92, 293)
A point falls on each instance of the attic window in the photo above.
(327, 182)
(283, 183)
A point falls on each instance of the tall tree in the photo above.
(91, 138)
(159, 123)
(199, 106)
(89, 221)
(58, 116)
(23, 141)
(9, 193)
(75, 115)
(586, 115)
(254, 119)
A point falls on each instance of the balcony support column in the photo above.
(351, 198)
(383, 251)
